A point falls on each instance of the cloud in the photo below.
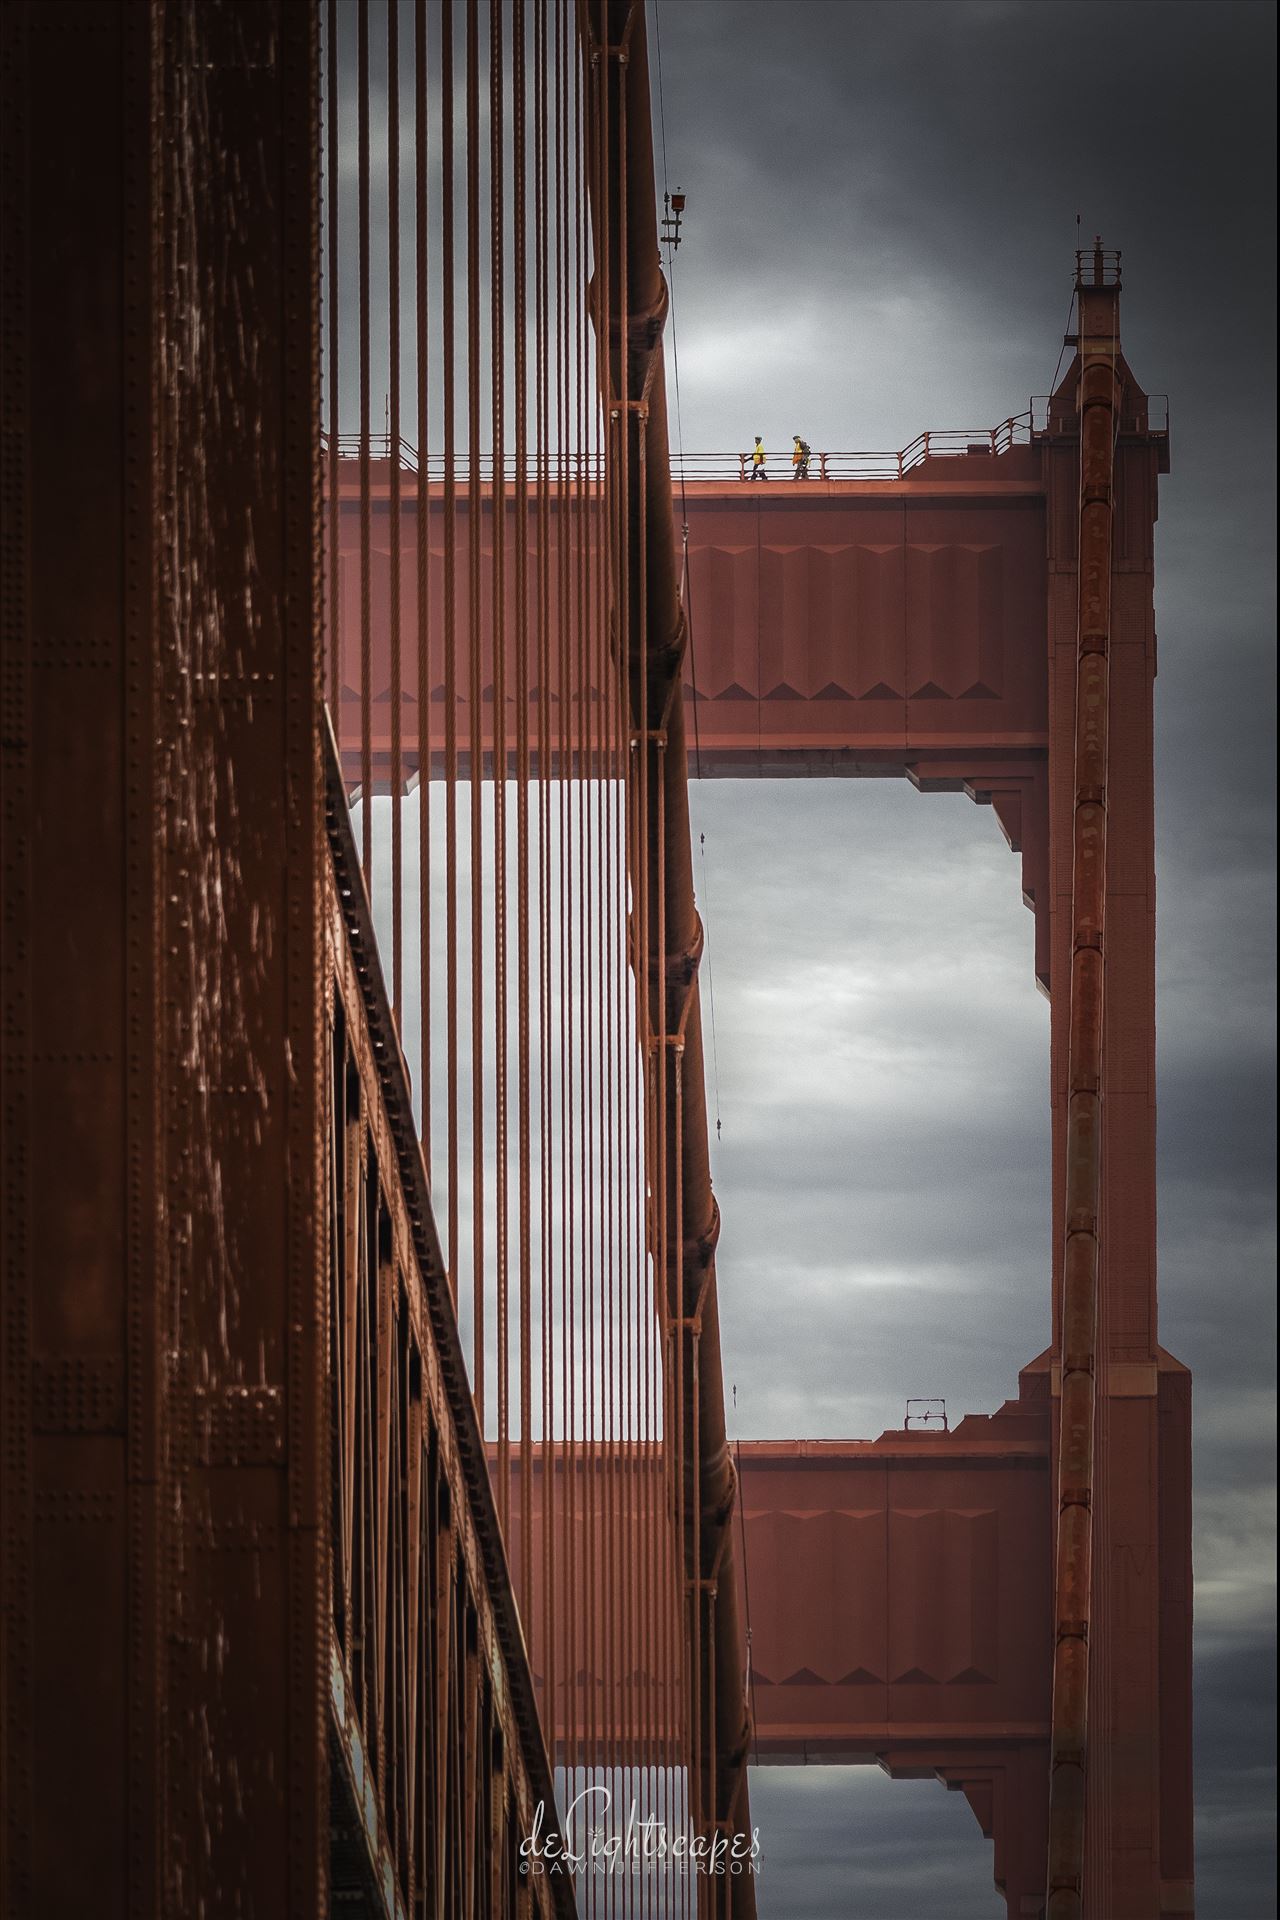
(850, 1841)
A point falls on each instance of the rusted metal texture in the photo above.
(165, 1470)
(239, 859)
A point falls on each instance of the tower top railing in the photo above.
(1152, 420)
(1097, 266)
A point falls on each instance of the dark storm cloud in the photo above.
(1236, 1781)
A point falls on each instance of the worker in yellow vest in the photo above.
(758, 457)
(800, 458)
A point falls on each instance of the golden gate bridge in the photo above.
(371, 1531)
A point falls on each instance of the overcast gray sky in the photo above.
(879, 234)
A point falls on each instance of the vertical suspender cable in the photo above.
(393, 455)
(555, 1550)
(475, 685)
(450, 533)
(498, 625)
(524, 1084)
(422, 287)
(366, 641)
(593, 1116)
(331, 222)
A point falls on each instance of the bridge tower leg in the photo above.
(164, 1473)
(1138, 1854)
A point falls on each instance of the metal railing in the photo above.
(944, 443)
(1097, 266)
(839, 464)
(824, 465)
(382, 447)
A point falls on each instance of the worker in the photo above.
(758, 457)
(800, 458)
